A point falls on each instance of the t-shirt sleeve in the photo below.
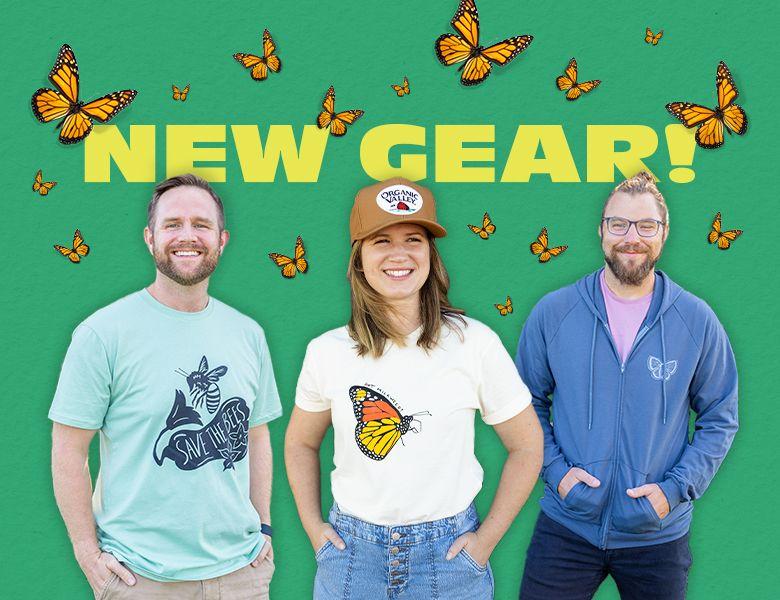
(307, 393)
(267, 405)
(502, 394)
(84, 387)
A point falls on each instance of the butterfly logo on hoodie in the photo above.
(660, 370)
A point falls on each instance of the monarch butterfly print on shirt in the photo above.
(380, 423)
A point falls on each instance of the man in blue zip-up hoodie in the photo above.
(624, 354)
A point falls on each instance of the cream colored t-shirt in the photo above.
(404, 423)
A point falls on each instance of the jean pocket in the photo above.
(584, 502)
(323, 549)
(473, 563)
(633, 515)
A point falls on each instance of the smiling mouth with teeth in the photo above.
(186, 253)
(397, 273)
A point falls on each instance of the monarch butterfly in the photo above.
(487, 228)
(289, 265)
(568, 81)
(540, 247)
(652, 38)
(41, 186)
(711, 121)
(48, 105)
(723, 238)
(261, 64)
(402, 89)
(451, 49)
(180, 94)
(379, 422)
(338, 121)
(505, 309)
(78, 250)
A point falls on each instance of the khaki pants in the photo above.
(248, 583)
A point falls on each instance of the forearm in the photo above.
(261, 471)
(303, 472)
(73, 492)
(518, 478)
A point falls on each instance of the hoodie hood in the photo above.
(665, 293)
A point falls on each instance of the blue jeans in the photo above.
(561, 565)
(405, 562)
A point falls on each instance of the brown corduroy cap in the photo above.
(392, 201)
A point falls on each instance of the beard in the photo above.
(164, 260)
(626, 274)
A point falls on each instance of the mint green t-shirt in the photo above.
(174, 395)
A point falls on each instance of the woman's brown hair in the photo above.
(371, 324)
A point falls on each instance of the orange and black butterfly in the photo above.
(78, 250)
(711, 120)
(505, 309)
(403, 89)
(568, 81)
(337, 121)
(180, 94)
(652, 38)
(379, 422)
(291, 266)
(41, 186)
(487, 228)
(723, 238)
(261, 64)
(451, 49)
(541, 248)
(48, 105)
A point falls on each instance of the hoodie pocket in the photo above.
(584, 502)
(632, 515)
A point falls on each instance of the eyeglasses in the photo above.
(644, 227)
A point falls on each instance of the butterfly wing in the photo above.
(41, 186)
(407, 89)
(271, 59)
(184, 92)
(176, 92)
(487, 224)
(338, 124)
(509, 304)
(328, 108)
(655, 366)
(79, 247)
(378, 422)
(466, 22)
(300, 262)
(37, 181)
(107, 107)
(65, 74)
(65, 251)
(710, 133)
(48, 105)
(285, 262)
(250, 61)
(648, 35)
(476, 70)
(568, 80)
(733, 116)
(715, 231)
(540, 245)
(451, 49)
(657, 37)
(506, 50)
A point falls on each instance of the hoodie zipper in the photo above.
(616, 451)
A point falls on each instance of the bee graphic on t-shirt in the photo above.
(203, 385)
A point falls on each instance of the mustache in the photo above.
(640, 248)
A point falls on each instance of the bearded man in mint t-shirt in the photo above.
(180, 387)
(621, 357)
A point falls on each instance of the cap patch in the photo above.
(399, 200)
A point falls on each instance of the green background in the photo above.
(362, 49)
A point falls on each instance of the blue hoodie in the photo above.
(627, 423)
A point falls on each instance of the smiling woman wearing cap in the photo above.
(400, 384)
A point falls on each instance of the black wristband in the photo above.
(266, 530)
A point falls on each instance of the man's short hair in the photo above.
(639, 184)
(181, 180)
